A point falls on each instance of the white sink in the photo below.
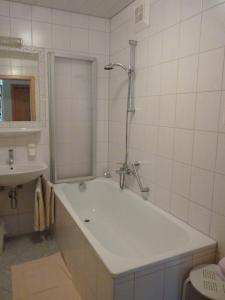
(18, 174)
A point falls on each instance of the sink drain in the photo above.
(87, 220)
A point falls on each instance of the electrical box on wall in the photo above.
(141, 14)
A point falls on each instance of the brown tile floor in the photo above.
(18, 250)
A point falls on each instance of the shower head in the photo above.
(108, 67)
(111, 66)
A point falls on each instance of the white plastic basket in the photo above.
(208, 280)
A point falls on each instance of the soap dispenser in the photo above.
(31, 150)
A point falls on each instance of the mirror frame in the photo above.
(32, 91)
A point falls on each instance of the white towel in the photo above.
(49, 201)
(39, 209)
(222, 266)
(44, 205)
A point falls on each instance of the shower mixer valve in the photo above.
(131, 170)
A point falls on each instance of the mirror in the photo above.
(17, 98)
(22, 84)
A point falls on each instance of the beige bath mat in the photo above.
(43, 279)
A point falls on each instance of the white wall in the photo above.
(178, 130)
(54, 30)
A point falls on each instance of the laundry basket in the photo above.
(2, 233)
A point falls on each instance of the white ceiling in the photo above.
(99, 8)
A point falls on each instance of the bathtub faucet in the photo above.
(135, 165)
(123, 171)
(131, 170)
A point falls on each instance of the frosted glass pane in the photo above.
(74, 113)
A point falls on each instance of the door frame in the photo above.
(32, 91)
(13, 100)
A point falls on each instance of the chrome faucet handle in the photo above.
(107, 173)
(11, 156)
(136, 163)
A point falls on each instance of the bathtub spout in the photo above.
(122, 181)
(121, 174)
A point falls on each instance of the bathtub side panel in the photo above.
(104, 282)
(90, 277)
(71, 246)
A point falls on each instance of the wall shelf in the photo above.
(10, 131)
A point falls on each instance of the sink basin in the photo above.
(18, 174)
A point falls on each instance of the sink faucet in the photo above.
(11, 157)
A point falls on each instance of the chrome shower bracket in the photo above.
(131, 74)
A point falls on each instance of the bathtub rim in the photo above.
(121, 268)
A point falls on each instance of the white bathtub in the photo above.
(128, 234)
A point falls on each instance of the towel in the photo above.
(44, 206)
(49, 200)
(39, 210)
(222, 265)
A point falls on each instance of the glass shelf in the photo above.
(10, 131)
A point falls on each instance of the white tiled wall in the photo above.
(54, 30)
(178, 130)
